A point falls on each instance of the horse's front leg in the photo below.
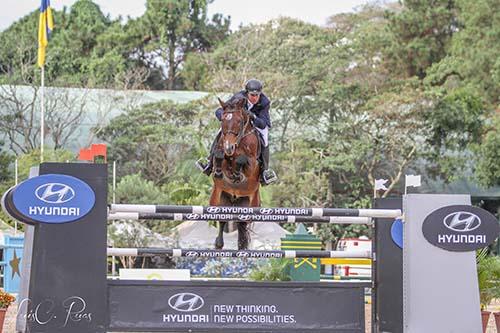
(219, 241)
(218, 157)
(243, 235)
(244, 227)
(241, 162)
(215, 200)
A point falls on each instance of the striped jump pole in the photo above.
(149, 252)
(239, 217)
(316, 212)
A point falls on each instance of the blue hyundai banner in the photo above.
(53, 198)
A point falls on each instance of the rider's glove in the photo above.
(251, 114)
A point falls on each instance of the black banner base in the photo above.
(227, 306)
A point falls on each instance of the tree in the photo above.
(18, 53)
(5, 160)
(170, 29)
(89, 49)
(114, 62)
(135, 189)
(31, 159)
(421, 34)
(472, 60)
(455, 123)
(465, 89)
(153, 139)
(488, 155)
(20, 116)
(73, 42)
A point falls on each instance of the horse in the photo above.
(236, 167)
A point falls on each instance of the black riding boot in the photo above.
(268, 176)
(206, 164)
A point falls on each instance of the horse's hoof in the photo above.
(219, 243)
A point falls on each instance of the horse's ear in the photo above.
(222, 104)
(241, 102)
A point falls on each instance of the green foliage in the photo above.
(128, 235)
(271, 270)
(18, 50)
(467, 81)
(135, 189)
(421, 32)
(188, 186)
(5, 161)
(455, 122)
(488, 155)
(171, 30)
(32, 159)
(72, 43)
(488, 275)
(195, 72)
(6, 178)
(153, 139)
(476, 47)
(88, 49)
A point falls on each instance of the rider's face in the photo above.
(253, 97)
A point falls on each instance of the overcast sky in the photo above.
(241, 11)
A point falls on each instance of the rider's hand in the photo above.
(251, 114)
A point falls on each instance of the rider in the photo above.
(257, 107)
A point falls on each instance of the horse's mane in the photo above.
(233, 101)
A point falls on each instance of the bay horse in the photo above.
(236, 167)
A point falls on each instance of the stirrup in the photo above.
(269, 176)
(204, 165)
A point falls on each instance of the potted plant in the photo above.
(488, 276)
(5, 300)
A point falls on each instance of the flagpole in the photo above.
(406, 187)
(16, 176)
(42, 115)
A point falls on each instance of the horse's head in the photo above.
(234, 121)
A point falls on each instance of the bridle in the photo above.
(243, 124)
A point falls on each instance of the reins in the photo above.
(243, 125)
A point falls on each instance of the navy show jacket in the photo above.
(260, 109)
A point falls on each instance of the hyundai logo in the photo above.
(462, 221)
(213, 209)
(266, 211)
(243, 217)
(186, 302)
(241, 254)
(193, 216)
(192, 254)
(55, 193)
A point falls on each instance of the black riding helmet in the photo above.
(253, 86)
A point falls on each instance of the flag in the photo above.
(412, 180)
(45, 26)
(380, 184)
